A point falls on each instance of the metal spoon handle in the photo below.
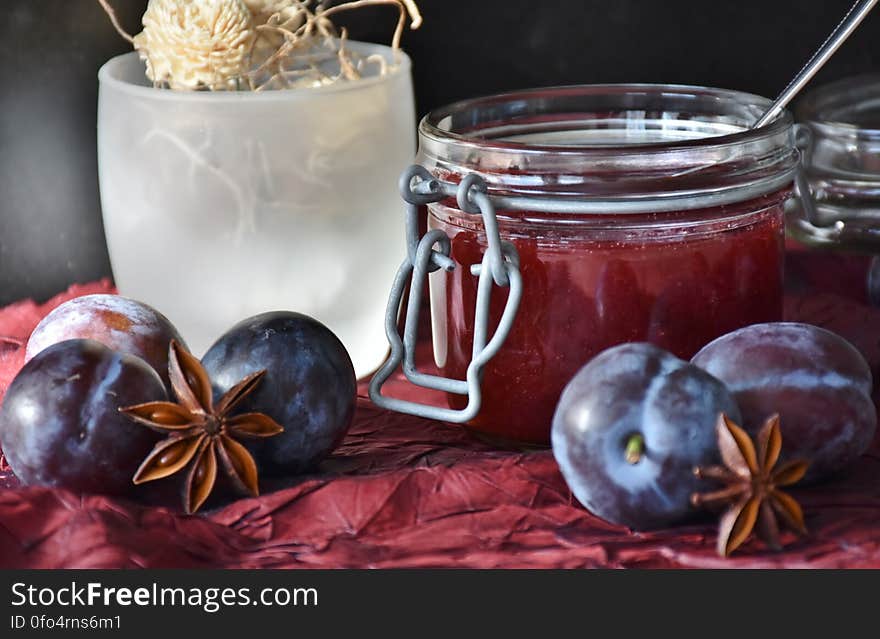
(850, 21)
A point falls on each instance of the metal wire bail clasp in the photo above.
(807, 220)
(500, 265)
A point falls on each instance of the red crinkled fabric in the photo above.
(407, 492)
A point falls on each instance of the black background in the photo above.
(50, 50)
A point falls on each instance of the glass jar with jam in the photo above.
(639, 213)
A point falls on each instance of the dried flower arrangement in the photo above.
(253, 45)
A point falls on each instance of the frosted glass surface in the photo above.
(220, 206)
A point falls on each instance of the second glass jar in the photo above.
(645, 213)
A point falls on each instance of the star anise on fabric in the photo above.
(200, 431)
(752, 481)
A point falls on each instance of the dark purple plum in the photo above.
(817, 381)
(629, 429)
(123, 324)
(60, 425)
(309, 387)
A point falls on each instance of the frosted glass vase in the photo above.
(219, 206)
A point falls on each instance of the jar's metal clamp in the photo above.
(803, 139)
(812, 223)
(500, 266)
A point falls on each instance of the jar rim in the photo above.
(649, 147)
(430, 126)
(833, 107)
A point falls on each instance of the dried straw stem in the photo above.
(114, 20)
(403, 6)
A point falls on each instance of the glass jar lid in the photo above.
(621, 148)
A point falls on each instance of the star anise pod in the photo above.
(200, 431)
(752, 483)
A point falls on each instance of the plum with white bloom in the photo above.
(629, 429)
(817, 381)
(120, 323)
